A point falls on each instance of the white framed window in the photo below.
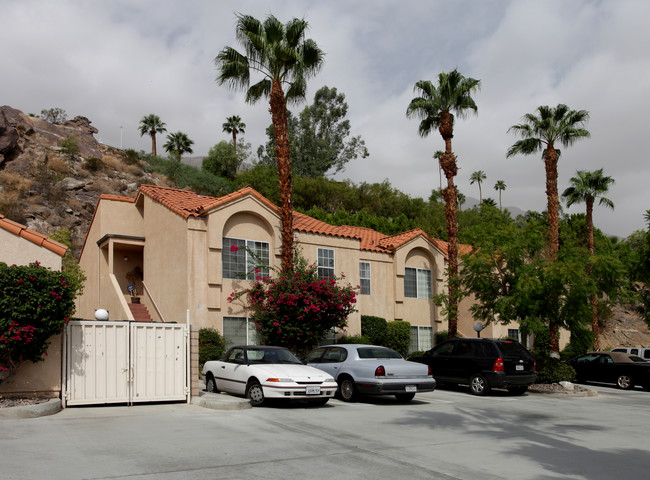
(417, 283)
(364, 275)
(244, 259)
(239, 331)
(325, 263)
(421, 339)
(514, 334)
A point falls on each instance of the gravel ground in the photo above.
(19, 402)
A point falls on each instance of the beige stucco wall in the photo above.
(15, 250)
(43, 376)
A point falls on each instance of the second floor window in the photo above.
(245, 259)
(417, 283)
(364, 275)
(325, 263)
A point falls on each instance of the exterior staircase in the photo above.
(140, 312)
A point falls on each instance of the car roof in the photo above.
(249, 347)
(619, 357)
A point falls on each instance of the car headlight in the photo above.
(329, 379)
(280, 380)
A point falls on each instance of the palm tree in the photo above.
(437, 156)
(543, 132)
(284, 57)
(435, 107)
(234, 125)
(478, 176)
(177, 144)
(587, 187)
(151, 124)
(500, 186)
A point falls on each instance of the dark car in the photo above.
(481, 363)
(623, 369)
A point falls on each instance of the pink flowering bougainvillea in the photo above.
(297, 310)
(35, 303)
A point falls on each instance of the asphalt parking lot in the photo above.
(446, 434)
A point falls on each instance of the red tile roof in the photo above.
(32, 236)
(191, 204)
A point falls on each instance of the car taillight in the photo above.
(429, 370)
(534, 365)
(380, 371)
(498, 365)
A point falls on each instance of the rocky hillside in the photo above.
(48, 187)
(45, 187)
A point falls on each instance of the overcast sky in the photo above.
(116, 61)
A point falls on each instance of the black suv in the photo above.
(481, 363)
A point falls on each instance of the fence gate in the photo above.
(125, 362)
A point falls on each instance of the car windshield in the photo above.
(271, 355)
(374, 352)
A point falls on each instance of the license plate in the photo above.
(519, 367)
(410, 388)
(312, 391)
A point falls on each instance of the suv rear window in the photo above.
(513, 349)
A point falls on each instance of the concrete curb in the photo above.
(50, 407)
(221, 401)
(565, 393)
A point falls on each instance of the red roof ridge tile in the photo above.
(32, 236)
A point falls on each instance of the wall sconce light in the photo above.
(126, 259)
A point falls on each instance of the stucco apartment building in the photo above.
(20, 245)
(183, 254)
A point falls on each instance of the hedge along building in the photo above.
(20, 245)
(178, 251)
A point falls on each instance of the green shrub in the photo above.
(93, 164)
(398, 336)
(212, 345)
(186, 176)
(553, 370)
(440, 337)
(582, 341)
(362, 339)
(70, 147)
(131, 157)
(375, 328)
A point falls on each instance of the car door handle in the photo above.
(223, 366)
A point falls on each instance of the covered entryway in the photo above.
(125, 362)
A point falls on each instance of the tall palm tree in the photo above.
(437, 156)
(544, 132)
(587, 187)
(284, 58)
(478, 176)
(234, 125)
(151, 124)
(177, 144)
(435, 107)
(500, 186)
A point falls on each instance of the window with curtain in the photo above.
(417, 283)
(364, 275)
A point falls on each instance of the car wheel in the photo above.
(404, 397)
(625, 382)
(478, 385)
(348, 390)
(318, 402)
(211, 385)
(255, 393)
(646, 387)
(518, 389)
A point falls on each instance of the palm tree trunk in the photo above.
(480, 194)
(234, 140)
(278, 104)
(590, 245)
(550, 163)
(153, 143)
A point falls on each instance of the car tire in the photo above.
(348, 390)
(318, 402)
(624, 382)
(255, 393)
(211, 385)
(517, 389)
(478, 385)
(404, 397)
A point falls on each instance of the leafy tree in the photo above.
(297, 310)
(500, 186)
(284, 57)
(177, 144)
(551, 127)
(235, 126)
(70, 147)
(212, 345)
(587, 187)
(187, 176)
(77, 277)
(54, 115)
(478, 177)
(222, 160)
(488, 202)
(435, 107)
(35, 303)
(151, 125)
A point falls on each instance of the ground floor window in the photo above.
(421, 339)
(239, 331)
(515, 334)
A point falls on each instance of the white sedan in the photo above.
(263, 372)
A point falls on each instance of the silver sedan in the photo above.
(371, 370)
